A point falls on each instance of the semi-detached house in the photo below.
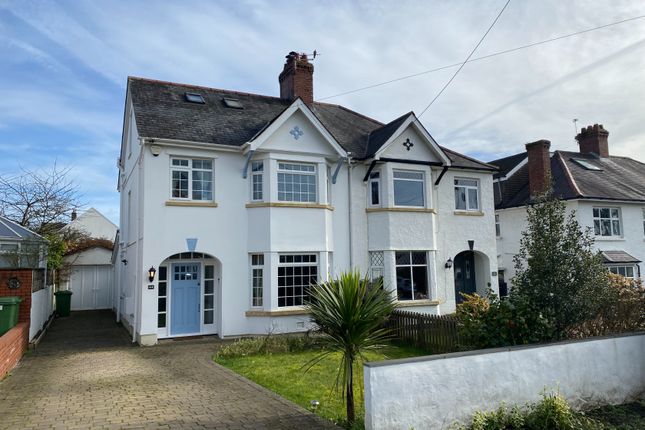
(232, 204)
(606, 192)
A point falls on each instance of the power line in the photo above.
(530, 45)
(466, 60)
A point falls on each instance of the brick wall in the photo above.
(25, 277)
(13, 345)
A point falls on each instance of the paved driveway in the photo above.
(86, 374)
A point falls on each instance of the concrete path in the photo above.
(86, 374)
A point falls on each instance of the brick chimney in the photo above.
(539, 167)
(297, 78)
(593, 140)
(73, 214)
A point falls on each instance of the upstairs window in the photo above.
(643, 221)
(498, 229)
(408, 188)
(374, 187)
(192, 179)
(606, 222)
(257, 180)
(467, 194)
(297, 182)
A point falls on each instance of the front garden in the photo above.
(279, 363)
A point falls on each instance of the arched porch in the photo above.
(188, 295)
(471, 274)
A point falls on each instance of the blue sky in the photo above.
(64, 65)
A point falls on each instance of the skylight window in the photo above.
(587, 165)
(195, 98)
(233, 103)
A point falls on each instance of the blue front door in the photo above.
(185, 294)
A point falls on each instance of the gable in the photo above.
(419, 147)
(298, 134)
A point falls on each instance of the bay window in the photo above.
(296, 273)
(374, 189)
(257, 280)
(408, 188)
(257, 180)
(626, 271)
(297, 182)
(411, 275)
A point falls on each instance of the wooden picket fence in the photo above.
(435, 334)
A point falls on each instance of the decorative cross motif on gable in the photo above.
(296, 132)
(408, 144)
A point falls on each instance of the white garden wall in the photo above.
(433, 392)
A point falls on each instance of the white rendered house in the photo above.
(606, 192)
(232, 204)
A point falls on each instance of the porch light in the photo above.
(151, 273)
(449, 263)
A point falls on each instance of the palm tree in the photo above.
(349, 312)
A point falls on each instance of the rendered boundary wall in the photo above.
(436, 391)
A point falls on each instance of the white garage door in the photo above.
(91, 287)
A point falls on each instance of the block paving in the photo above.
(86, 374)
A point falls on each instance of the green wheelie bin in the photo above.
(8, 313)
(63, 303)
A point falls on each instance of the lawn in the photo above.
(284, 374)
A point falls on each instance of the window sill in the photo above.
(189, 203)
(609, 239)
(413, 303)
(289, 205)
(399, 209)
(276, 313)
(469, 213)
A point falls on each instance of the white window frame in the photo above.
(257, 195)
(498, 226)
(611, 220)
(191, 170)
(313, 173)
(163, 279)
(375, 179)
(423, 186)
(616, 269)
(411, 265)
(206, 279)
(643, 221)
(315, 263)
(256, 262)
(467, 188)
(377, 265)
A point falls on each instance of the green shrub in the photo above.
(270, 344)
(552, 413)
(491, 322)
(624, 312)
(502, 418)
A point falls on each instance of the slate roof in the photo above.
(619, 178)
(10, 230)
(613, 257)
(161, 111)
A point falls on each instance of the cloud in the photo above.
(65, 65)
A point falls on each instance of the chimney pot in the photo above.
(594, 140)
(297, 78)
(539, 164)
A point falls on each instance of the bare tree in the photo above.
(39, 200)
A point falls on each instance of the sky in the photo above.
(64, 67)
